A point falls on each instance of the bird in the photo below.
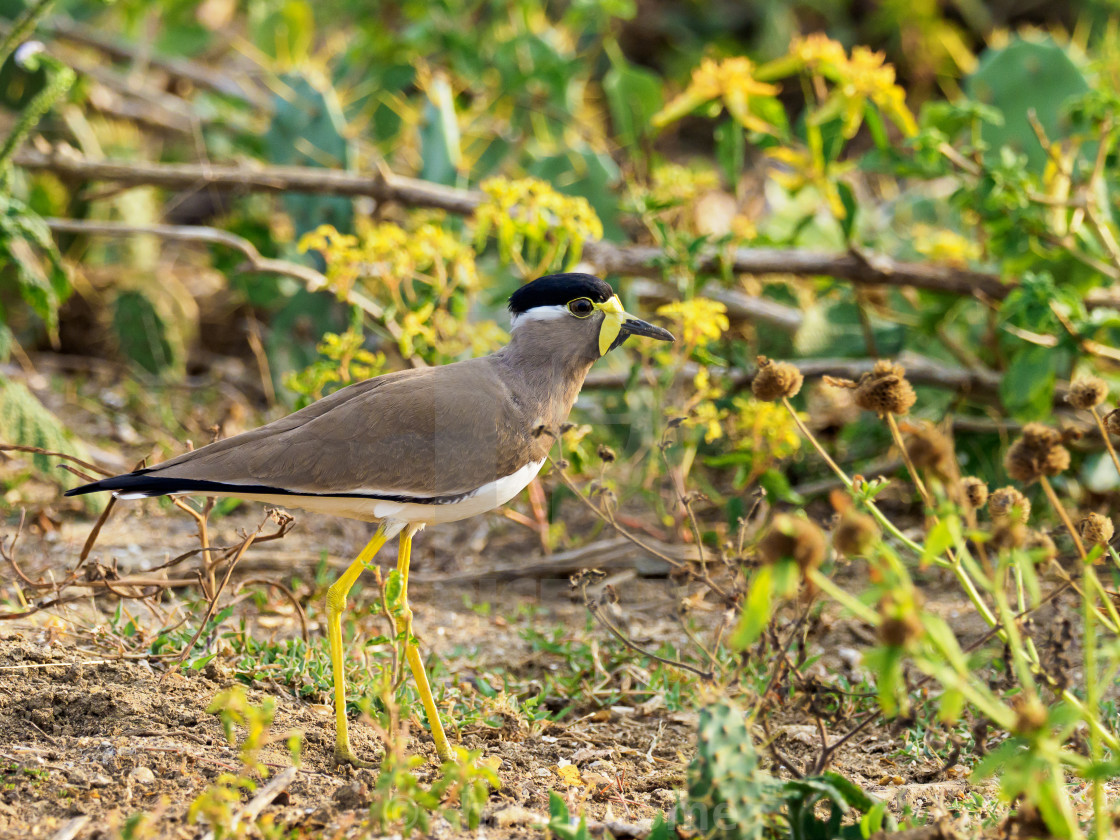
(414, 448)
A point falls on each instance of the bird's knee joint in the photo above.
(336, 600)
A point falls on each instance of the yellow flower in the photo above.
(863, 77)
(805, 169)
(700, 320)
(763, 428)
(534, 222)
(943, 245)
(731, 80)
(708, 417)
(676, 184)
(817, 51)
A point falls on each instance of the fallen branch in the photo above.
(613, 553)
(640, 260)
(920, 370)
(219, 81)
(381, 186)
(191, 233)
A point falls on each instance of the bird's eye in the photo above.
(581, 307)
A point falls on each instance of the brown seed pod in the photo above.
(1087, 393)
(1112, 421)
(1041, 542)
(900, 623)
(1036, 453)
(931, 450)
(775, 380)
(899, 632)
(1007, 505)
(1007, 535)
(1096, 529)
(885, 390)
(795, 538)
(975, 491)
(1030, 714)
(854, 534)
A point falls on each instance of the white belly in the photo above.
(489, 496)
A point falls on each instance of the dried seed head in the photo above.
(831, 408)
(900, 623)
(1041, 542)
(793, 537)
(975, 491)
(855, 534)
(898, 632)
(885, 390)
(775, 380)
(1007, 535)
(606, 454)
(931, 450)
(1030, 714)
(1007, 505)
(1037, 453)
(1087, 393)
(1112, 421)
(1096, 529)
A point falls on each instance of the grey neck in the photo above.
(545, 368)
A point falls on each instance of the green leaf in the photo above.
(756, 610)
(1027, 389)
(27, 422)
(941, 537)
(731, 149)
(142, 332)
(848, 199)
(633, 96)
(439, 135)
(394, 588)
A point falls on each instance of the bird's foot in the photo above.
(343, 755)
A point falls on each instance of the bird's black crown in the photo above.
(558, 290)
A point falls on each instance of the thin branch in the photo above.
(636, 260)
(921, 370)
(207, 235)
(381, 186)
(218, 80)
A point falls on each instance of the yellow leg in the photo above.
(412, 652)
(336, 603)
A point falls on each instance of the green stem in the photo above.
(878, 515)
(824, 583)
(1092, 696)
(60, 81)
(24, 27)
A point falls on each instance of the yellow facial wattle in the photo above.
(613, 316)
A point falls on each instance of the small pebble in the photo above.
(142, 775)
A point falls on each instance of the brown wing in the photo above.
(432, 432)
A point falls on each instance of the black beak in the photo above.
(635, 326)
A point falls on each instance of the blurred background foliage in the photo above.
(960, 135)
(214, 212)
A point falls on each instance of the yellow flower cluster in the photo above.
(389, 258)
(436, 334)
(671, 183)
(731, 80)
(344, 360)
(943, 245)
(701, 410)
(806, 168)
(763, 428)
(863, 77)
(537, 228)
(699, 320)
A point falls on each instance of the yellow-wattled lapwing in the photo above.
(415, 447)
